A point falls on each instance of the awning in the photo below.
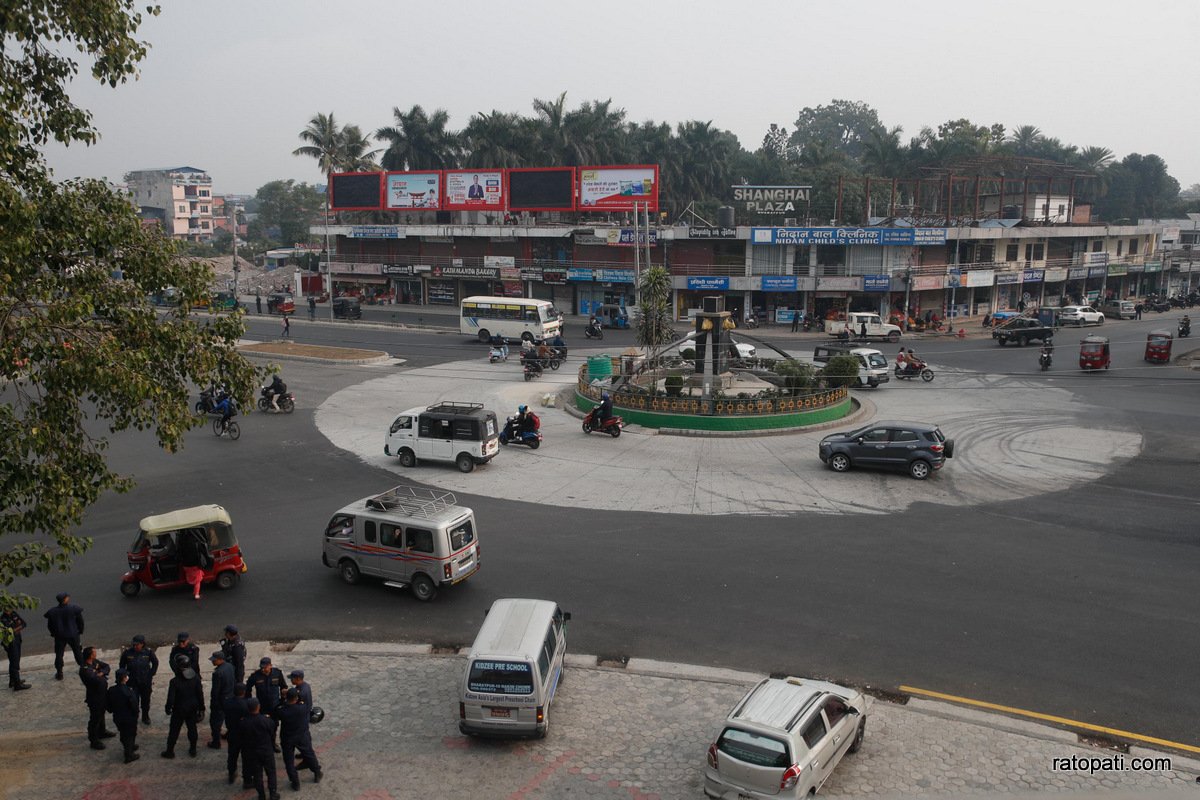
(358, 279)
(196, 517)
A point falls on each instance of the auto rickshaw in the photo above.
(1093, 353)
(281, 303)
(1158, 346)
(612, 316)
(154, 555)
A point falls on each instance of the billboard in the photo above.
(550, 189)
(351, 191)
(618, 188)
(474, 190)
(413, 190)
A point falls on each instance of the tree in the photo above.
(843, 125)
(497, 140)
(1024, 140)
(356, 155)
(289, 206)
(654, 308)
(326, 143)
(419, 141)
(1139, 186)
(81, 349)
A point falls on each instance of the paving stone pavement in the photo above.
(638, 733)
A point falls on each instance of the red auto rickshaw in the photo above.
(1158, 346)
(1093, 353)
(154, 556)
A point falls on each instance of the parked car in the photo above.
(916, 447)
(1119, 309)
(1080, 315)
(784, 739)
(347, 308)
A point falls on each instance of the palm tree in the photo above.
(595, 134)
(325, 142)
(497, 139)
(354, 156)
(1024, 139)
(552, 130)
(419, 141)
(1095, 159)
(882, 152)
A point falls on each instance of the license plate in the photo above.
(500, 712)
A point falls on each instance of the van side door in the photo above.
(392, 563)
(435, 439)
(822, 752)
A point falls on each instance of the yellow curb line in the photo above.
(1051, 718)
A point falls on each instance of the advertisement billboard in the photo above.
(353, 191)
(474, 190)
(550, 189)
(618, 188)
(420, 190)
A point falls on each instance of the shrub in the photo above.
(689, 353)
(674, 385)
(797, 377)
(841, 371)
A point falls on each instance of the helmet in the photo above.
(181, 660)
(522, 409)
(604, 395)
(316, 715)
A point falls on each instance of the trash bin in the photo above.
(599, 367)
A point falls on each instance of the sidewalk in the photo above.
(634, 733)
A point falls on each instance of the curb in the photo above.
(381, 358)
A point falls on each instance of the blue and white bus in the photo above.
(510, 317)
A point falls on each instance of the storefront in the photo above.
(1135, 280)
(928, 294)
(1076, 285)
(1008, 291)
(831, 300)
(778, 298)
(979, 288)
(701, 286)
(1153, 282)
(599, 287)
(1054, 286)
(873, 296)
(359, 280)
(447, 286)
(404, 283)
(1095, 284)
(1032, 283)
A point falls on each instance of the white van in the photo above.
(465, 433)
(514, 669)
(872, 364)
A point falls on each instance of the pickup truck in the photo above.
(1021, 331)
(876, 327)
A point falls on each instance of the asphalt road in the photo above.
(1079, 603)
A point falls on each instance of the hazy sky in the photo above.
(229, 84)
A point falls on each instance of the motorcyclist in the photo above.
(604, 411)
(559, 344)
(276, 390)
(1185, 324)
(1047, 350)
(912, 364)
(526, 420)
(594, 324)
(901, 360)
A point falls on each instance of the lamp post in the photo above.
(907, 293)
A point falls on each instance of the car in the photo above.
(745, 351)
(784, 739)
(1080, 315)
(1021, 331)
(918, 448)
(1119, 309)
(347, 308)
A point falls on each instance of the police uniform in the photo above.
(94, 677)
(185, 703)
(122, 702)
(189, 649)
(268, 687)
(294, 735)
(13, 621)
(142, 666)
(258, 736)
(222, 690)
(234, 709)
(235, 652)
(65, 622)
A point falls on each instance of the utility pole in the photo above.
(637, 255)
(236, 268)
(328, 253)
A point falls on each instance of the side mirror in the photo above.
(859, 440)
(852, 710)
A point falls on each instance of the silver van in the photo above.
(408, 536)
(514, 669)
(872, 364)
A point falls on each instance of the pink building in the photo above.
(180, 198)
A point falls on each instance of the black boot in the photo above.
(192, 750)
(97, 745)
(130, 757)
(167, 753)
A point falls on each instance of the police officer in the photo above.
(294, 735)
(222, 690)
(186, 647)
(268, 685)
(65, 622)
(235, 652)
(296, 676)
(185, 705)
(235, 712)
(122, 703)
(93, 674)
(258, 735)
(13, 622)
(142, 666)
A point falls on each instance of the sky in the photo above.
(229, 84)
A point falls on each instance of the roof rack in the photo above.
(449, 407)
(414, 501)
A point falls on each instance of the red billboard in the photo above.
(544, 189)
(618, 188)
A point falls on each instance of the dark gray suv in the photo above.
(916, 447)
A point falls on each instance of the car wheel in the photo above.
(919, 469)
(484, 335)
(893, 337)
(227, 580)
(131, 589)
(349, 571)
(464, 462)
(527, 336)
(407, 458)
(423, 588)
(856, 745)
(1100, 321)
(1002, 341)
(839, 462)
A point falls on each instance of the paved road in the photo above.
(1077, 602)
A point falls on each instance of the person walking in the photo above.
(222, 689)
(235, 713)
(122, 703)
(194, 557)
(14, 624)
(1137, 311)
(185, 705)
(93, 674)
(312, 307)
(795, 320)
(287, 327)
(235, 652)
(258, 736)
(293, 717)
(268, 685)
(258, 302)
(65, 622)
(186, 647)
(142, 665)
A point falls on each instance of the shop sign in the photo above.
(1033, 276)
(1056, 275)
(629, 237)
(889, 237)
(579, 274)
(613, 275)
(441, 293)
(708, 284)
(839, 284)
(555, 276)
(1098, 272)
(953, 278)
(374, 232)
(877, 283)
(1117, 270)
(531, 273)
(1008, 278)
(590, 238)
(1137, 268)
(981, 277)
(1097, 258)
(779, 283)
(499, 261)
(712, 233)
(466, 272)
(926, 283)
(1153, 266)
(438, 239)
(1077, 273)
(510, 274)
(771, 199)
(397, 269)
(352, 268)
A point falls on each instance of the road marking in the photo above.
(1087, 726)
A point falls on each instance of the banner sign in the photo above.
(1056, 275)
(1137, 268)
(398, 269)
(1097, 258)
(613, 275)
(981, 277)
(1097, 272)
(531, 273)
(954, 278)
(414, 190)
(557, 277)
(927, 283)
(465, 272)
(579, 274)
(877, 283)
(771, 199)
(708, 284)
(1153, 266)
(624, 237)
(1033, 275)
(618, 188)
(474, 190)
(712, 233)
(374, 232)
(839, 284)
(1007, 278)
(1077, 273)
(849, 236)
(1117, 270)
(499, 261)
(779, 283)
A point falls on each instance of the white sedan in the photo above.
(1080, 315)
(744, 351)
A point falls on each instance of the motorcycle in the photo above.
(593, 332)
(807, 324)
(920, 370)
(207, 404)
(287, 403)
(498, 353)
(751, 321)
(612, 426)
(1185, 329)
(1044, 359)
(510, 435)
(532, 369)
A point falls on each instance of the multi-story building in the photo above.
(180, 198)
(222, 206)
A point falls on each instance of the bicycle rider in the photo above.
(227, 409)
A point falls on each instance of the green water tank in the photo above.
(599, 367)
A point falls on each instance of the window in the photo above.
(435, 428)
(986, 253)
(465, 429)
(1010, 252)
(1097, 246)
(877, 435)
(1035, 252)
(389, 535)
(1133, 247)
(420, 540)
(340, 525)
(835, 709)
(402, 424)
(500, 677)
(204, 192)
(203, 209)
(461, 535)
(183, 209)
(1120, 247)
(546, 658)
(814, 732)
(754, 748)
(903, 436)
(369, 530)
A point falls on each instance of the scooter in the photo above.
(612, 426)
(287, 403)
(1045, 358)
(207, 404)
(510, 435)
(1185, 330)
(920, 370)
(498, 353)
(593, 332)
(751, 321)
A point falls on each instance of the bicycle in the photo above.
(220, 428)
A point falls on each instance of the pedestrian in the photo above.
(222, 689)
(258, 736)
(65, 622)
(142, 665)
(186, 647)
(1137, 311)
(122, 703)
(14, 624)
(293, 717)
(193, 555)
(795, 320)
(862, 331)
(296, 676)
(268, 685)
(287, 327)
(312, 306)
(235, 652)
(185, 705)
(93, 674)
(258, 302)
(235, 712)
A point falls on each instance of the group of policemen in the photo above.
(254, 711)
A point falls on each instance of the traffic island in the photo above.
(291, 351)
